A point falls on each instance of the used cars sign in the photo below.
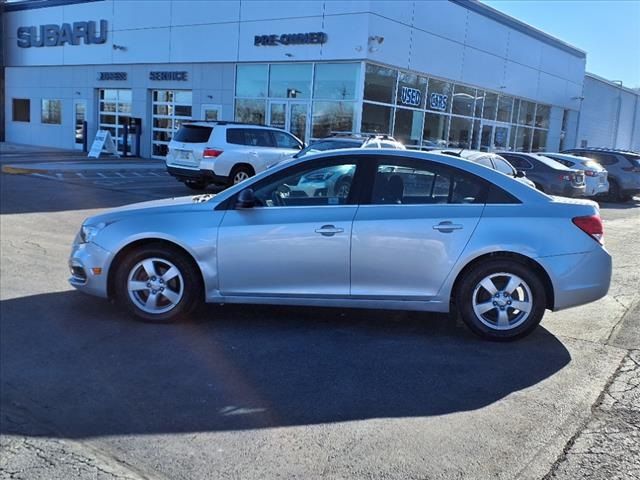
(67, 33)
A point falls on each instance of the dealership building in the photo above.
(431, 73)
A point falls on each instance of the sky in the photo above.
(608, 30)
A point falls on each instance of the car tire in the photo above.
(614, 194)
(240, 173)
(195, 185)
(487, 306)
(164, 273)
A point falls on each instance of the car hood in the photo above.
(164, 205)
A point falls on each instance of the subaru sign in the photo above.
(59, 35)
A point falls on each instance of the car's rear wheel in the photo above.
(614, 194)
(195, 185)
(501, 299)
(240, 173)
(158, 284)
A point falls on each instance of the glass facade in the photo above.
(114, 109)
(315, 100)
(170, 109)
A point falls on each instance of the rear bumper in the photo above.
(188, 174)
(578, 278)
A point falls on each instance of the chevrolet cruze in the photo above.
(410, 230)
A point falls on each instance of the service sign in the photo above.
(60, 35)
(438, 101)
(166, 76)
(410, 96)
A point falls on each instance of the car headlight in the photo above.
(89, 232)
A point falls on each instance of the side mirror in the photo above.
(520, 173)
(246, 199)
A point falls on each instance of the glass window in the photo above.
(413, 182)
(412, 90)
(193, 134)
(250, 111)
(523, 139)
(475, 138)
(435, 129)
(290, 80)
(485, 161)
(332, 117)
(518, 162)
(490, 106)
(439, 95)
(539, 142)
(542, 116)
(525, 116)
(251, 80)
(505, 107)
(324, 145)
(463, 100)
(183, 110)
(109, 94)
(52, 111)
(284, 140)
(408, 126)
(376, 119)
(503, 166)
(336, 81)
(21, 109)
(257, 137)
(326, 185)
(460, 133)
(379, 83)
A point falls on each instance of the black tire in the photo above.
(191, 282)
(196, 185)
(486, 327)
(614, 194)
(238, 171)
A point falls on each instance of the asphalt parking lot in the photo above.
(272, 392)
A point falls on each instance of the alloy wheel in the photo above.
(155, 285)
(502, 301)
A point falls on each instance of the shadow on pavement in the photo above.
(80, 365)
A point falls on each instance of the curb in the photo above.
(21, 171)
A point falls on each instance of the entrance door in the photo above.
(494, 136)
(79, 117)
(290, 116)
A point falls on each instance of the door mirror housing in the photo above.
(520, 173)
(246, 199)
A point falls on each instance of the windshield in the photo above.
(193, 134)
(324, 145)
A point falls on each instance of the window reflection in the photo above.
(332, 117)
(412, 90)
(379, 83)
(376, 118)
(250, 111)
(505, 106)
(251, 80)
(290, 81)
(463, 100)
(460, 133)
(542, 116)
(335, 81)
(435, 128)
(490, 106)
(408, 126)
(527, 109)
(439, 95)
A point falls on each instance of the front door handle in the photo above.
(329, 230)
(447, 227)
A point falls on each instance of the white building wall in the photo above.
(608, 114)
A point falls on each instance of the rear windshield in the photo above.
(633, 158)
(193, 134)
(549, 162)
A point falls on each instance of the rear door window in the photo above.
(193, 134)
(284, 140)
(253, 137)
(503, 166)
(518, 162)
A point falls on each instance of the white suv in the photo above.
(202, 153)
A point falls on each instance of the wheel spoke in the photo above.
(488, 285)
(169, 274)
(152, 301)
(170, 295)
(522, 306)
(135, 286)
(503, 318)
(149, 267)
(514, 282)
(485, 307)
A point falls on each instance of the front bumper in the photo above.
(84, 262)
(578, 278)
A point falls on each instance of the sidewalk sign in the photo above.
(103, 140)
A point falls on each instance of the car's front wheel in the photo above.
(158, 284)
(501, 299)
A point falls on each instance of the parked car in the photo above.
(338, 142)
(623, 168)
(491, 160)
(226, 153)
(596, 182)
(548, 175)
(417, 231)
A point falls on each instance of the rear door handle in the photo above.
(329, 230)
(447, 227)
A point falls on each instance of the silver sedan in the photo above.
(413, 231)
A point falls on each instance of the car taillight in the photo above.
(564, 177)
(590, 173)
(592, 226)
(211, 153)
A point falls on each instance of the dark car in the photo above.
(548, 175)
(623, 167)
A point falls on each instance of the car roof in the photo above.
(214, 123)
(541, 158)
(569, 157)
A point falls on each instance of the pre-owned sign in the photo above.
(67, 33)
(290, 39)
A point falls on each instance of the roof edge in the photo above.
(33, 4)
(493, 14)
(612, 83)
